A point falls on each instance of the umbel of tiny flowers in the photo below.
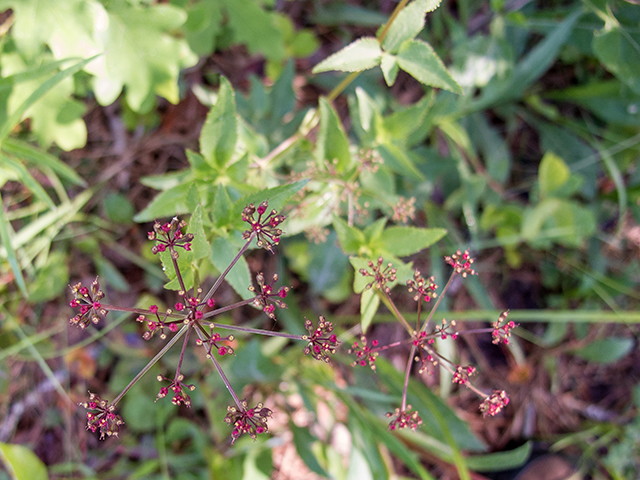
(88, 301)
(381, 275)
(189, 315)
(404, 419)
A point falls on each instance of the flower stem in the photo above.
(268, 333)
(221, 310)
(151, 363)
(141, 311)
(184, 348)
(435, 305)
(394, 310)
(407, 373)
(177, 269)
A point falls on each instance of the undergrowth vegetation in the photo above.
(447, 195)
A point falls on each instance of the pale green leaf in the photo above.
(418, 59)
(403, 241)
(389, 66)
(277, 197)
(359, 55)
(255, 27)
(239, 277)
(552, 174)
(332, 147)
(619, 52)
(369, 303)
(166, 204)
(22, 463)
(350, 238)
(606, 350)
(25, 177)
(408, 24)
(220, 131)
(495, 462)
(199, 245)
(5, 236)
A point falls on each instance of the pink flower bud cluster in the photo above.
(88, 301)
(267, 297)
(404, 419)
(502, 332)
(494, 403)
(462, 374)
(159, 324)
(169, 236)
(247, 420)
(178, 388)
(322, 341)
(381, 275)
(364, 353)
(213, 344)
(266, 229)
(461, 263)
(424, 288)
(102, 416)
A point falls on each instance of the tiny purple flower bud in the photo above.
(153, 309)
(211, 303)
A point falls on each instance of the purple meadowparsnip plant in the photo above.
(421, 338)
(192, 315)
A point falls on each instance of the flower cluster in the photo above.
(364, 353)
(322, 341)
(102, 417)
(267, 297)
(88, 300)
(169, 236)
(381, 275)
(404, 419)
(179, 390)
(424, 288)
(159, 324)
(494, 403)
(213, 342)
(501, 333)
(247, 420)
(461, 263)
(266, 229)
(462, 374)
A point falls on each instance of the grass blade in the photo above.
(25, 177)
(5, 228)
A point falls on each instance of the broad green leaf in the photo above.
(372, 232)
(397, 158)
(25, 177)
(495, 462)
(118, 208)
(369, 303)
(276, 196)
(202, 26)
(332, 147)
(359, 55)
(199, 245)
(166, 204)
(41, 159)
(221, 207)
(222, 253)
(184, 264)
(51, 279)
(220, 131)
(408, 24)
(552, 174)
(350, 238)
(606, 350)
(402, 123)
(36, 95)
(619, 52)
(303, 440)
(141, 54)
(22, 463)
(193, 197)
(255, 27)
(389, 66)
(419, 60)
(403, 241)
(5, 236)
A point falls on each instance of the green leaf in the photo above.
(276, 196)
(202, 26)
(37, 94)
(362, 54)
(199, 245)
(350, 238)
(619, 52)
(25, 177)
(255, 27)
(5, 236)
(369, 303)
(403, 123)
(220, 131)
(303, 440)
(22, 463)
(239, 277)
(403, 241)
(606, 350)
(408, 24)
(389, 66)
(552, 174)
(118, 208)
(51, 279)
(332, 146)
(166, 204)
(193, 197)
(419, 60)
(495, 462)
(221, 207)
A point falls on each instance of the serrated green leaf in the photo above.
(419, 60)
(408, 24)
(403, 241)
(199, 245)
(239, 277)
(220, 131)
(369, 303)
(332, 146)
(185, 266)
(362, 54)
(389, 67)
(256, 28)
(606, 350)
(166, 204)
(619, 52)
(25, 177)
(373, 231)
(22, 463)
(552, 174)
(350, 238)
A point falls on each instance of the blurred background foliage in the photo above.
(114, 113)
